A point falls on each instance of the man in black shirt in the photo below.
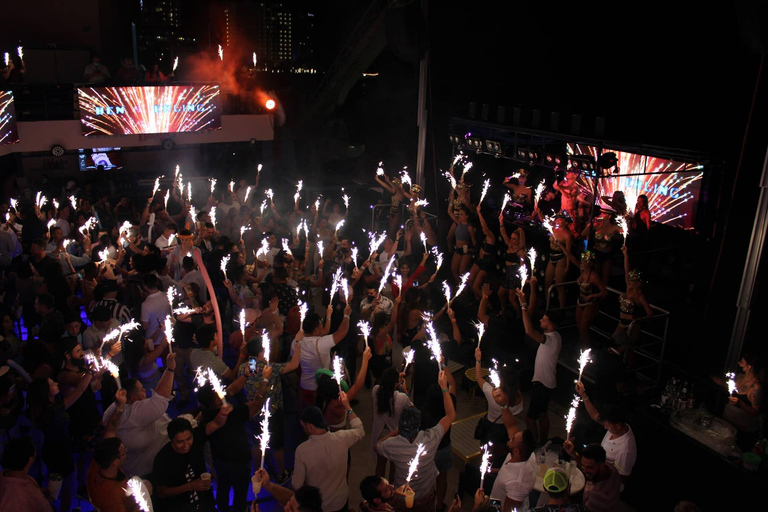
(177, 470)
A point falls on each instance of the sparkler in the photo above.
(265, 343)
(55, 203)
(156, 187)
(193, 109)
(7, 59)
(421, 203)
(167, 195)
(375, 241)
(217, 387)
(447, 293)
(303, 308)
(136, 491)
(622, 222)
(171, 239)
(286, 248)
(583, 360)
(168, 329)
(480, 327)
(111, 335)
(189, 197)
(547, 223)
(264, 249)
(201, 376)
(184, 310)
(338, 226)
(337, 375)
(254, 59)
(247, 193)
(493, 375)
(317, 205)
(462, 284)
(450, 179)
(731, 382)
(321, 250)
(221, 53)
(387, 272)
(467, 166)
(408, 358)
(486, 186)
(532, 258)
(212, 215)
(345, 288)
(539, 190)
(507, 199)
(264, 436)
(438, 258)
(175, 64)
(399, 281)
(125, 228)
(263, 206)
(103, 255)
(414, 464)
(213, 185)
(112, 369)
(224, 263)
(20, 52)
(243, 229)
(66, 243)
(231, 186)
(434, 344)
(522, 273)
(72, 201)
(336, 282)
(405, 177)
(297, 195)
(91, 360)
(365, 330)
(457, 158)
(630, 195)
(569, 419)
(345, 198)
(423, 238)
(270, 194)
(14, 204)
(379, 170)
(485, 466)
(50, 224)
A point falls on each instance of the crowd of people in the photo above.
(123, 310)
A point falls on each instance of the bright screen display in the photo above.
(9, 132)
(149, 109)
(672, 187)
(100, 158)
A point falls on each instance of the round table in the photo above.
(470, 375)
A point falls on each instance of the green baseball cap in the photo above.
(555, 480)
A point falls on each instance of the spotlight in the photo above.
(455, 140)
(270, 104)
(168, 144)
(57, 150)
(493, 146)
(474, 143)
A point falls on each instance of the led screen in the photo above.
(149, 109)
(672, 187)
(9, 133)
(100, 158)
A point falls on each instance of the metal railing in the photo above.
(649, 346)
(385, 218)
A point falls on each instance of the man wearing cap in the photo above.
(515, 476)
(400, 448)
(556, 484)
(321, 460)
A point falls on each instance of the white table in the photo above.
(577, 481)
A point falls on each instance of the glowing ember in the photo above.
(583, 360)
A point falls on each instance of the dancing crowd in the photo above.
(210, 345)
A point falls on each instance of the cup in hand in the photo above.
(206, 477)
(54, 485)
(256, 484)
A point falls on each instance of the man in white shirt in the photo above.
(400, 449)
(154, 309)
(321, 460)
(515, 478)
(316, 350)
(164, 240)
(374, 301)
(619, 441)
(142, 427)
(545, 367)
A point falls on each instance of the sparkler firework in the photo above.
(365, 330)
(421, 203)
(414, 464)
(263, 206)
(148, 109)
(584, 359)
(622, 222)
(303, 308)
(486, 186)
(264, 436)
(405, 177)
(569, 419)
(137, 491)
(387, 272)
(507, 199)
(537, 195)
(354, 255)
(212, 215)
(286, 247)
(221, 53)
(522, 273)
(9, 132)
(112, 369)
(485, 466)
(462, 284)
(339, 225)
(379, 170)
(217, 387)
(247, 193)
(213, 185)
(175, 64)
(438, 258)
(336, 282)
(532, 259)
(480, 327)
(447, 292)
(408, 358)
(20, 52)
(345, 289)
(265, 343)
(434, 344)
(731, 382)
(224, 263)
(345, 198)
(493, 375)
(450, 179)
(168, 330)
(423, 238)
(254, 59)
(337, 373)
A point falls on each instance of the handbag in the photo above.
(483, 428)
